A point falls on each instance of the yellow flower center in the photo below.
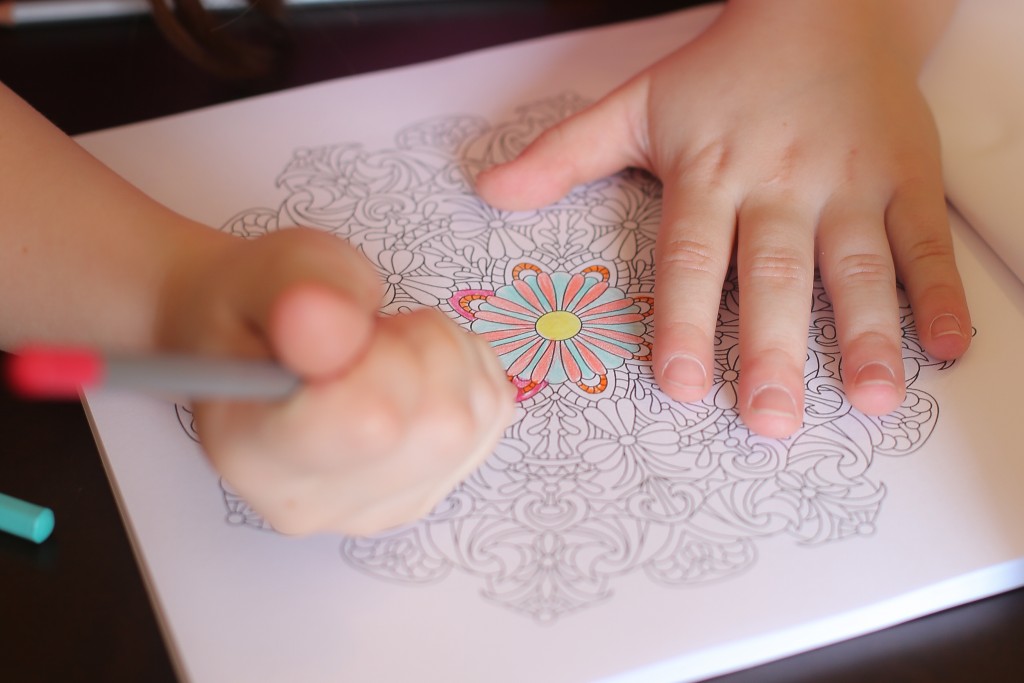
(559, 325)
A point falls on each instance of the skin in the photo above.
(790, 134)
(394, 412)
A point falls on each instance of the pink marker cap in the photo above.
(42, 372)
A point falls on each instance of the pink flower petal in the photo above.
(496, 317)
(572, 368)
(591, 294)
(625, 318)
(547, 287)
(526, 291)
(544, 364)
(502, 349)
(525, 358)
(617, 335)
(591, 359)
(604, 346)
(572, 288)
(499, 335)
(511, 306)
(606, 307)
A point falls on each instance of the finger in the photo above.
(412, 409)
(422, 409)
(318, 332)
(327, 453)
(858, 273)
(468, 398)
(300, 255)
(464, 412)
(593, 143)
(414, 502)
(922, 247)
(775, 257)
(492, 399)
(312, 297)
(692, 256)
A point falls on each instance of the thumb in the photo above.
(317, 331)
(312, 297)
(594, 143)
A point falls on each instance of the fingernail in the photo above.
(684, 371)
(944, 325)
(874, 373)
(773, 399)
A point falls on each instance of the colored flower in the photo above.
(560, 327)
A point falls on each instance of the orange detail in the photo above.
(469, 298)
(605, 274)
(649, 300)
(524, 266)
(525, 388)
(601, 386)
(529, 386)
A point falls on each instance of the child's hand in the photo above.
(394, 411)
(798, 137)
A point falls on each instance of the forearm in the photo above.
(904, 29)
(84, 256)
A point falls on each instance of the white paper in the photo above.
(614, 535)
(975, 85)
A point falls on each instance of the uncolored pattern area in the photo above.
(601, 475)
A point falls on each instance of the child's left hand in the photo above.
(797, 141)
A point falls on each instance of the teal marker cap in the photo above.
(31, 522)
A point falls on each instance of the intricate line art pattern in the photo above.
(601, 475)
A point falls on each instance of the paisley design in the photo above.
(601, 475)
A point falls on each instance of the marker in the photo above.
(26, 520)
(61, 373)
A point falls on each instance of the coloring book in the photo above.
(613, 534)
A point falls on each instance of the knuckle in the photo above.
(680, 335)
(780, 267)
(708, 165)
(876, 339)
(788, 359)
(429, 330)
(928, 250)
(863, 268)
(787, 162)
(380, 425)
(689, 254)
(450, 424)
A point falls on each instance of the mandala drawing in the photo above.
(601, 475)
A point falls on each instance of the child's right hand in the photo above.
(394, 412)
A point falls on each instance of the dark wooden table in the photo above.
(75, 608)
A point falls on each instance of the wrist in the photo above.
(896, 31)
(192, 256)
